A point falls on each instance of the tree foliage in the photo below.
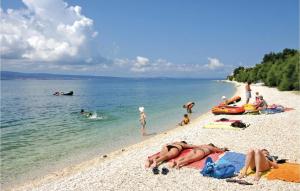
(276, 70)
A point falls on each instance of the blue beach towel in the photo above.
(236, 159)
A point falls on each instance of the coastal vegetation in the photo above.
(279, 70)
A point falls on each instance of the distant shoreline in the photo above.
(8, 75)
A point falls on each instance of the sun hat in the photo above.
(141, 109)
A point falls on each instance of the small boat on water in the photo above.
(69, 93)
(230, 110)
(62, 93)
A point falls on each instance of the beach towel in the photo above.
(220, 125)
(250, 172)
(289, 172)
(198, 164)
(236, 159)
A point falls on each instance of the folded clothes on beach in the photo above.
(220, 125)
(289, 172)
(236, 159)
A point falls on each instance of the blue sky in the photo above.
(193, 38)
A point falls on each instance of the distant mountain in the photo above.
(7, 75)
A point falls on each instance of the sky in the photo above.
(144, 38)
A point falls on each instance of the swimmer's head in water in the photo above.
(82, 110)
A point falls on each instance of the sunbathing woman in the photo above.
(196, 154)
(167, 152)
(258, 161)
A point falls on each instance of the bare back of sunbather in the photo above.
(196, 154)
(168, 152)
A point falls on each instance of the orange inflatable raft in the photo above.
(230, 110)
(231, 100)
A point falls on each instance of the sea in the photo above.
(41, 133)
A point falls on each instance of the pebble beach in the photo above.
(124, 169)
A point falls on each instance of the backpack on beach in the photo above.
(220, 171)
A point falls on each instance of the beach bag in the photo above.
(238, 124)
(220, 171)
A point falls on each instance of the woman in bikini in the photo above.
(167, 152)
(258, 161)
(196, 154)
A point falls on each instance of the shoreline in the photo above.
(96, 160)
(93, 171)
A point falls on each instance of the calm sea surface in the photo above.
(41, 132)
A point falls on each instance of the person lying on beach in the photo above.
(259, 161)
(168, 151)
(196, 154)
(189, 106)
(185, 121)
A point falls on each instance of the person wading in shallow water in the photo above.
(189, 106)
(142, 120)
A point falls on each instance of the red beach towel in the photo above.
(198, 164)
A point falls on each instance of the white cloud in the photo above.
(214, 63)
(47, 31)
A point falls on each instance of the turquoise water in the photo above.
(41, 132)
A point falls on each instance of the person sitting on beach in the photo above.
(256, 98)
(189, 106)
(168, 151)
(261, 104)
(185, 121)
(196, 154)
(259, 161)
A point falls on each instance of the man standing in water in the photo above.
(142, 120)
(189, 106)
(248, 92)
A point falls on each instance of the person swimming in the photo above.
(87, 114)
